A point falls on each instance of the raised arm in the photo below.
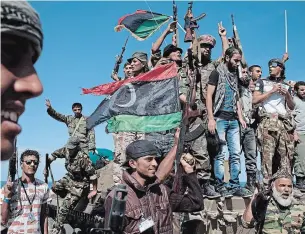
(170, 28)
(223, 36)
(54, 114)
(167, 163)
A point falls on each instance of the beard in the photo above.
(279, 199)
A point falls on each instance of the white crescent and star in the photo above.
(133, 96)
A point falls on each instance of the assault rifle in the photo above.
(189, 112)
(175, 18)
(119, 59)
(236, 40)
(12, 166)
(190, 23)
(117, 212)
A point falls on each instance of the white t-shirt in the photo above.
(18, 222)
(276, 103)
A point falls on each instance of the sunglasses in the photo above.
(29, 162)
(275, 64)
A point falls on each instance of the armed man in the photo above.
(275, 210)
(150, 203)
(127, 69)
(76, 183)
(24, 201)
(21, 46)
(77, 127)
(275, 129)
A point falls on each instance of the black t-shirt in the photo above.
(213, 80)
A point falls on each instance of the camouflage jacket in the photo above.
(86, 137)
(202, 84)
(79, 168)
(289, 221)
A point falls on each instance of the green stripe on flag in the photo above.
(133, 123)
(148, 27)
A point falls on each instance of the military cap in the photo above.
(138, 149)
(72, 143)
(139, 55)
(281, 173)
(169, 49)
(276, 61)
(207, 39)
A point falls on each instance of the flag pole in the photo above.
(286, 32)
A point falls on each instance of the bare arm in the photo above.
(290, 102)
(247, 218)
(259, 97)
(5, 207)
(5, 211)
(156, 46)
(167, 163)
(209, 101)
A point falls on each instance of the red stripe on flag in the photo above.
(137, 12)
(164, 72)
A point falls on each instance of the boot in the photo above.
(251, 180)
(208, 190)
(300, 183)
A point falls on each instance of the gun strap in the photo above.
(81, 118)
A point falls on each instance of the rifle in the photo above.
(117, 212)
(12, 166)
(184, 128)
(46, 176)
(190, 22)
(236, 40)
(175, 18)
(119, 58)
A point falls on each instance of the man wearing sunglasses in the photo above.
(275, 129)
(24, 201)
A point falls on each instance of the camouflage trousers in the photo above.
(276, 145)
(84, 148)
(73, 191)
(299, 158)
(198, 149)
(121, 141)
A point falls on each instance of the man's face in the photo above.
(19, 82)
(301, 91)
(274, 70)
(136, 65)
(234, 62)
(77, 110)
(29, 165)
(256, 73)
(206, 50)
(244, 72)
(146, 166)
(128, 71)
(282, 191)
(175, 56)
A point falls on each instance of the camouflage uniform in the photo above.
(199, 145)
(274, 133)
(87, 138)
(288, 221)
(121, 141)
(75, 184)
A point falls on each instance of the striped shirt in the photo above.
(18, 221)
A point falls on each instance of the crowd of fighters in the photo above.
(250, 114)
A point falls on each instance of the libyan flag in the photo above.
(146, 103)
(141, 24)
